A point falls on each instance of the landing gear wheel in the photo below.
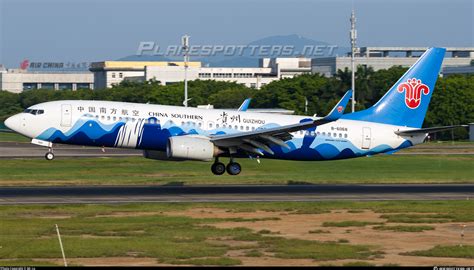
(49, 156)
(218, 168)
(233, 168)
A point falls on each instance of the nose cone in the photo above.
(13, 122)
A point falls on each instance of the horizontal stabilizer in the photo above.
(426, 130)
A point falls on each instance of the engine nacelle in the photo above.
(159, 155)
(191, 147)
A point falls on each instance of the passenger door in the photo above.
(66, 115)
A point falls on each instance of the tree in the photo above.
(10, 104)
(452, 103)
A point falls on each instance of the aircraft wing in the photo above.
(252, 141)
(245, 105)
(419, 131)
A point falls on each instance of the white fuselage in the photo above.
(121, 124)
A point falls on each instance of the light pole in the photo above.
(353, 35)
(185, 46)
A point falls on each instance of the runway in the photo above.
(27, 150)
(231, 193)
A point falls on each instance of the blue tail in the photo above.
(406, 103)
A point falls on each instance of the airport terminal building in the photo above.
(386, 57)
(19, 80)
(108, 73)
(105, 74)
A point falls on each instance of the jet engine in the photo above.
(191, 147)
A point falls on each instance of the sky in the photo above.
(86, 30)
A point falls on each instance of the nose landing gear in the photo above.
(233, 168)
(49, 155)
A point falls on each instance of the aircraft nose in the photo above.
(13, 122)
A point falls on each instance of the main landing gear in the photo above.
(49, 155)
(233, 168)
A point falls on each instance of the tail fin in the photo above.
(406, 103)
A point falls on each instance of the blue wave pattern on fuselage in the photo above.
(154, 136)
(84, 132)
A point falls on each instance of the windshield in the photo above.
(34, 111)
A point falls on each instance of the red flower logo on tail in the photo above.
(413, 89)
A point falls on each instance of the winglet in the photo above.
(244, 105)
(338, 110)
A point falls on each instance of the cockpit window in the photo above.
(33, 111)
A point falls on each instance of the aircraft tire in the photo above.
(218, 168)
(233, 168)
(49, 156)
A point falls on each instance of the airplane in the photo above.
(179, 133)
